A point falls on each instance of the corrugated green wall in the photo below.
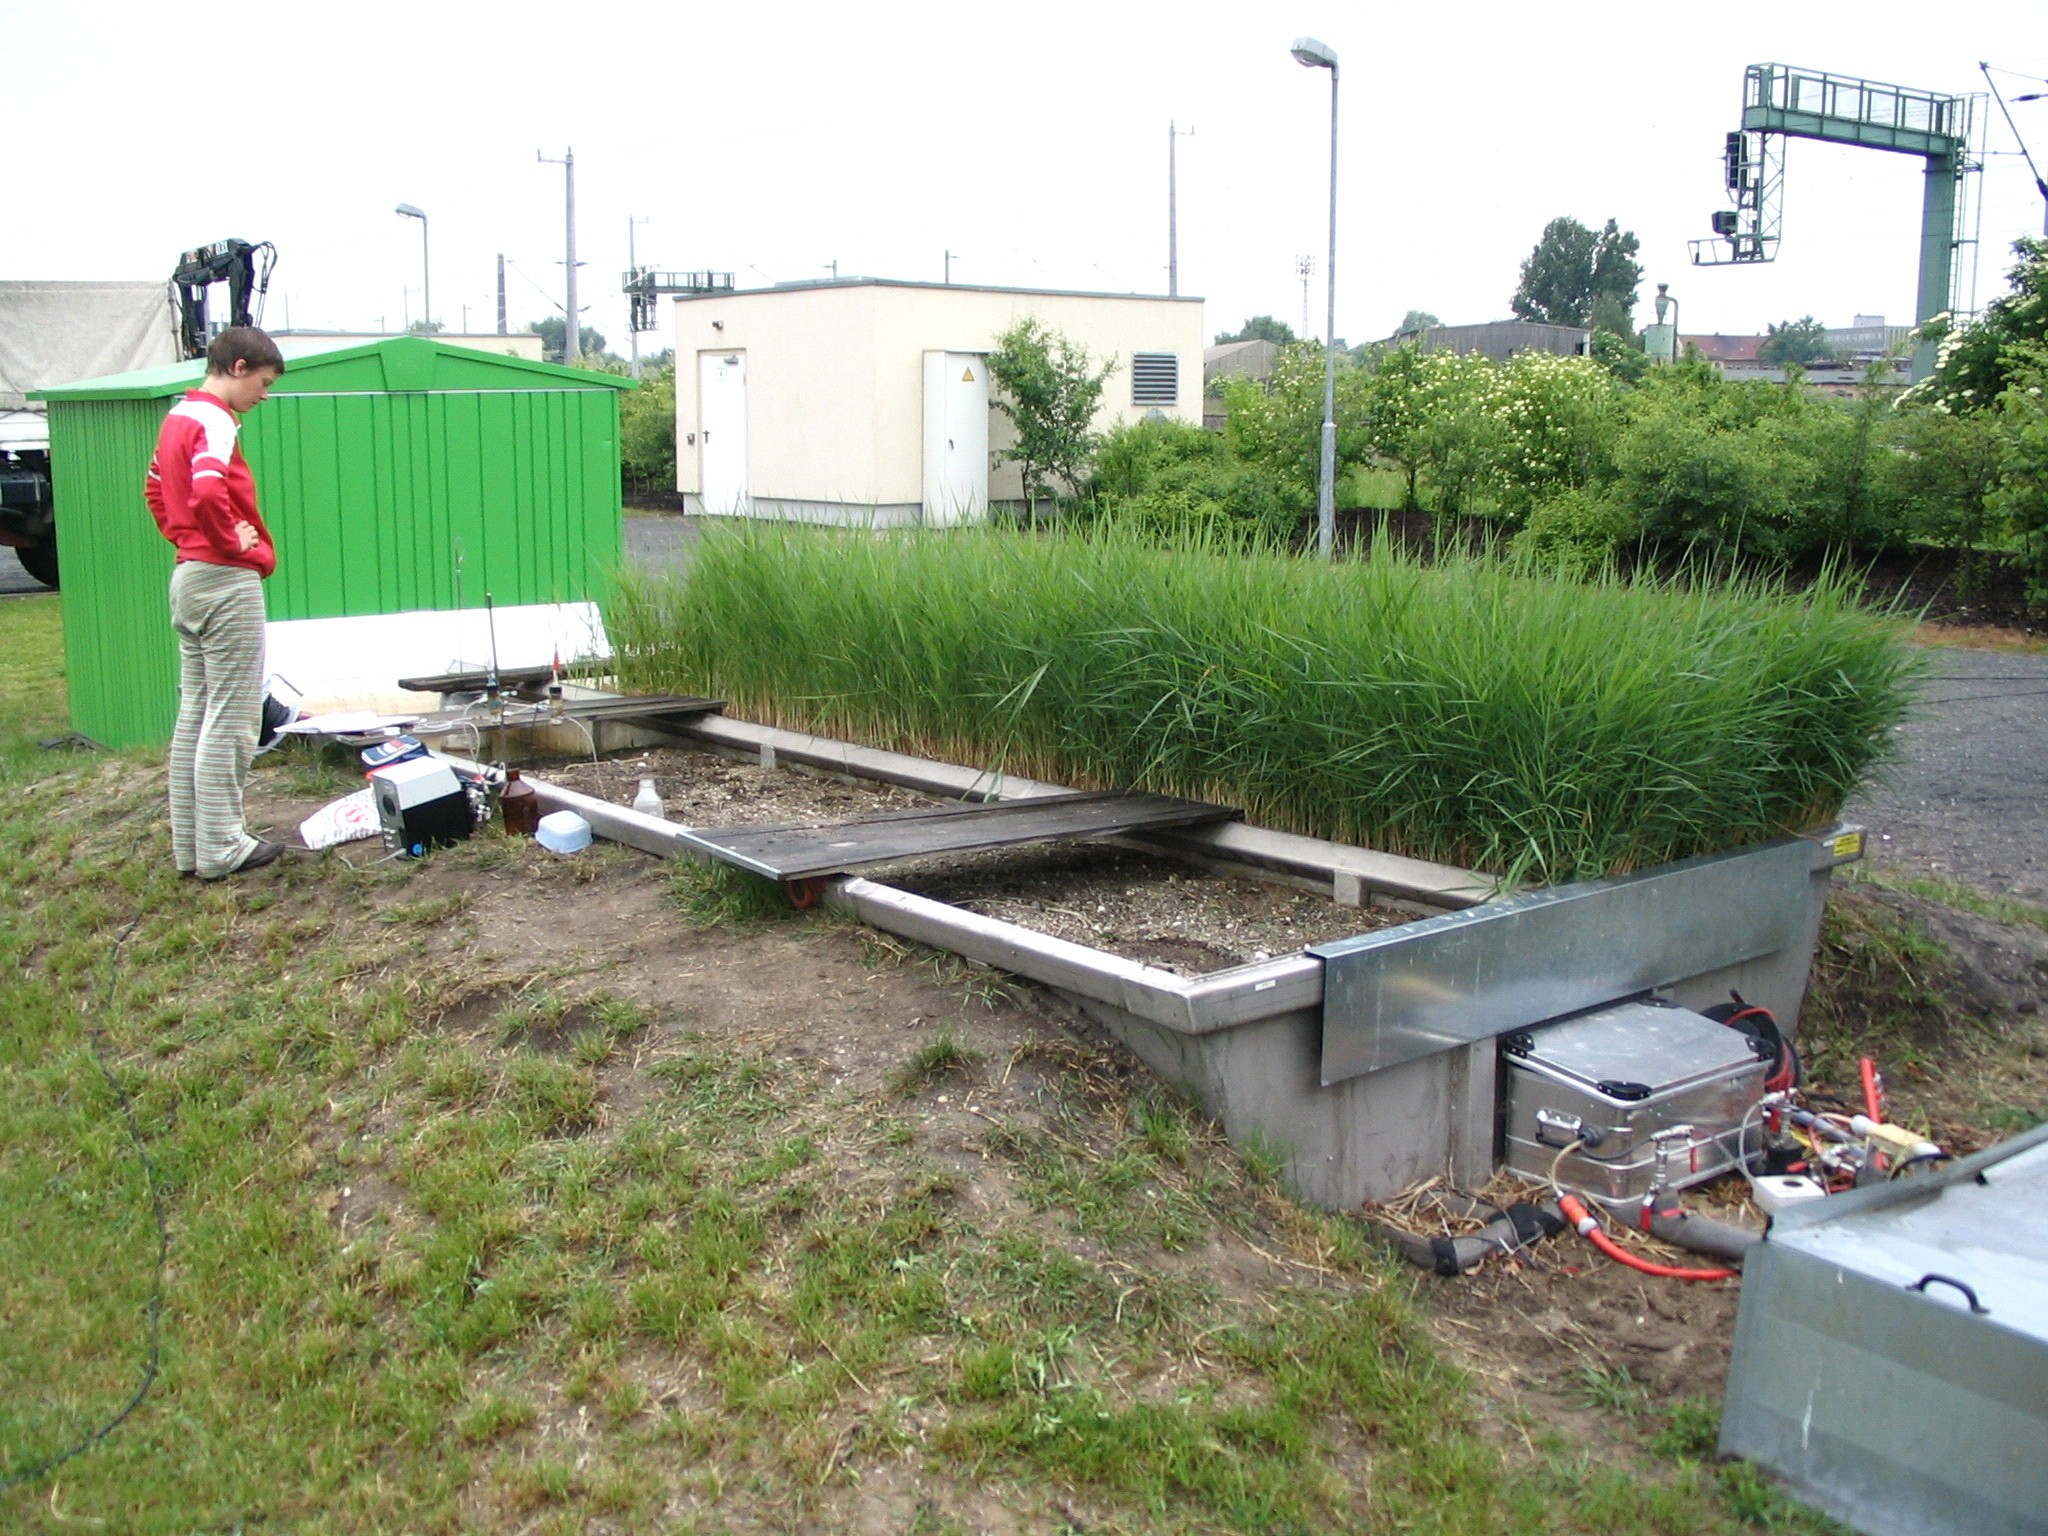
(384, 503)
(379, 503)
(120, 658)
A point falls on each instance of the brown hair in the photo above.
(242, 344)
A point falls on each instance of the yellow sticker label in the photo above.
(967, 377)
(1848, 845)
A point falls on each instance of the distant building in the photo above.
(1870, 339)
(1501, 339)
(1237, 360)
(1855, 347)
(1232, 360)
(866, 400)
(1722, 349)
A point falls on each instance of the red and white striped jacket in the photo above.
(200, 488)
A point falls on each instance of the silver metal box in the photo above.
(1659, 1092)
(1891, 1351)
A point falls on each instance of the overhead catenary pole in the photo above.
(1173, 208)
(1314, 55)
(501, 293)
(572, 325)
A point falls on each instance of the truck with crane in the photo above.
(60, 332)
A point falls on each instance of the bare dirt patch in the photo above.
(1141, 906)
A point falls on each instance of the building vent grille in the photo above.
(1155, 378)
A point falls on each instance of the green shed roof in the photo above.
(396, 365)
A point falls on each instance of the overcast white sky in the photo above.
(771, 139)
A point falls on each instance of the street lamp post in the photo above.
(1314, 55)
(407, 211)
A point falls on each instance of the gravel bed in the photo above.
(1141, 906)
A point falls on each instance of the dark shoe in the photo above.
(262, 854)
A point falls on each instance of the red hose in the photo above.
(1576, 1213)
(1873, 1096)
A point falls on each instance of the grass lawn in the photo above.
(474, 1227)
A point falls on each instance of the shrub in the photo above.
(1936, 474)
(1131, 456)
(1430, 416)
(1556, 423)
(647, 433)
(1171, 479)
(1577, 530)
(2022, 494)
(1279, 428)
(1465, 711)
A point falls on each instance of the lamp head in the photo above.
(406, 210)
(1312, 54)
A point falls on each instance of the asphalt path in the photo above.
(14, 581)
(1966, 797)
(660, 543)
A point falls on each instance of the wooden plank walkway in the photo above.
(803, 850)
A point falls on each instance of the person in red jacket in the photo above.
(204, 499)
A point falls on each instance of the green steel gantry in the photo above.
(1781, 102)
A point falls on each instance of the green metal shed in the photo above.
(400, 475)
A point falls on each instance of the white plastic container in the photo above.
(648, 802)
(1775, 1191)
(563, 832)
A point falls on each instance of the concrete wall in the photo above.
(835, 377)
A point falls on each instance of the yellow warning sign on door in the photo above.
(967, 377)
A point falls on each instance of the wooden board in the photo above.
(800, 850)
(520, 713)
(475, 682)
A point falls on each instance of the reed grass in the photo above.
(1469, 710)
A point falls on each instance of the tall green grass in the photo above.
(1469, 711)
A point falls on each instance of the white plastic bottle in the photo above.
(647, 802)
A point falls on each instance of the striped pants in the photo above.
(217, 611)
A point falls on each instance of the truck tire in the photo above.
(40, 561)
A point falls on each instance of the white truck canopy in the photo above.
(59, 333)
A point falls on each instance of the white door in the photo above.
(955, 438)
(722, 433)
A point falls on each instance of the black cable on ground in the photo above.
(163, 1238)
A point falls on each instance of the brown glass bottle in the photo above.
(520, 804)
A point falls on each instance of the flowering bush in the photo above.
(1555, 420)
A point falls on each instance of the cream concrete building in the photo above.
(865, 400)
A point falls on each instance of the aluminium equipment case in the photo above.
(1662, 1092)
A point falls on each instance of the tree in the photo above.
(1049, 390)
(1279, 425)
(1977, 364)
(1804, 340)
(1259, 328)
(1571, 268)
(1417, 320)
(1429, 412)
(647, 432)
(550, 333)
(424, 327)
